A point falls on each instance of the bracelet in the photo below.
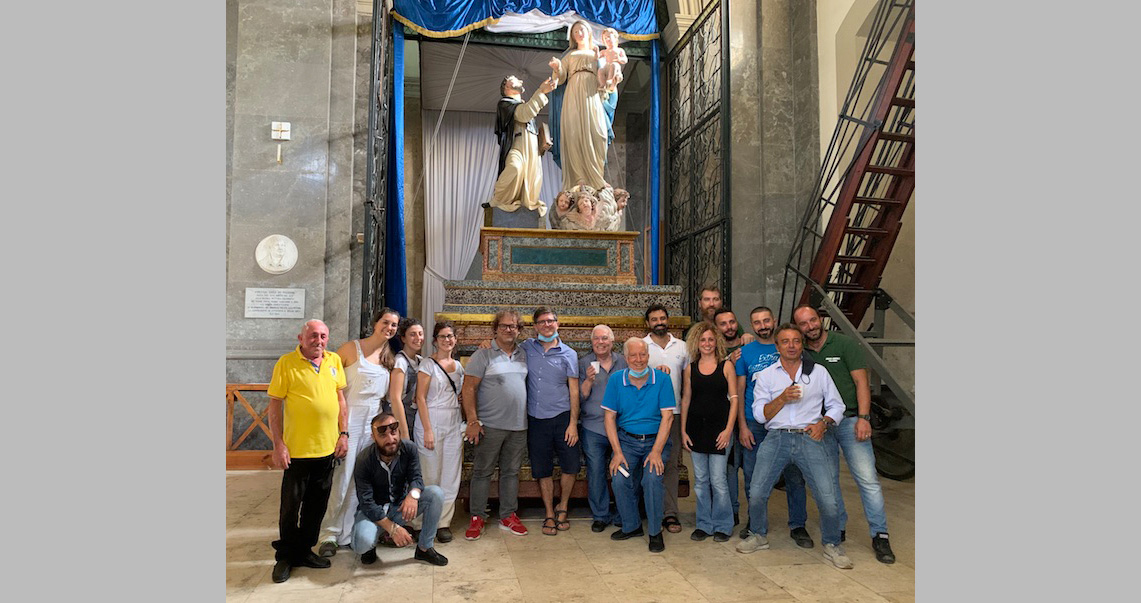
(733, 396)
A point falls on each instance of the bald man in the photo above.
(308, 423)
(639, 404)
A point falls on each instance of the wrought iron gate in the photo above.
(697, 173)
(376, 166)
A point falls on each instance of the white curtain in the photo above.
(534, 21)
(459, 174)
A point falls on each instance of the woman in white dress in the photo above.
(438, 432)
(402, 385)
(367, 364)
(582, 120)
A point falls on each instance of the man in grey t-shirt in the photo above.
(495, 402)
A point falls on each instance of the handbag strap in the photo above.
(447, 376)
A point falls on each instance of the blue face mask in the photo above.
(545, 339)
(641, 373)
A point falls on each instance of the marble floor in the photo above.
(577, 565)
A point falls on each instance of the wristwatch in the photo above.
(344, 433)
(415, 494)
(867, 418)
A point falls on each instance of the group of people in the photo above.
(581, 120)
(371, 439)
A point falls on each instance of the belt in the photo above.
(789, 430)
(639, 437)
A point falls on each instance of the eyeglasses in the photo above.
(546, 321)
(446, 337)
(393, 428)
(509, 327)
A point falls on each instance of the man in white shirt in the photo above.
(668, 354)
(788, 397)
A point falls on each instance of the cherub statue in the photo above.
(610, 62)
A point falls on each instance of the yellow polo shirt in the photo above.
(310, 410)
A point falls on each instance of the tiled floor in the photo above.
(577, 565)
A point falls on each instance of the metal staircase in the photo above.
(866, 181)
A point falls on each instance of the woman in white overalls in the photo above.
(438, 432)
(402, 386)
(367, 364)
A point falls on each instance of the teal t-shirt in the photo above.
(841, 355)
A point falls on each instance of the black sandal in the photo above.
(669, 523)
(559, 524)
(554, 527)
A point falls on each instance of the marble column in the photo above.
(775, 142)
(292, 60)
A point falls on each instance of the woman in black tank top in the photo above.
(708, 413)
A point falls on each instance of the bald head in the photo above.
(314, 337)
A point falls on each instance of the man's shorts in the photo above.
(545, 439)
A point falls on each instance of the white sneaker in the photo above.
(835, 554)
(753, 543)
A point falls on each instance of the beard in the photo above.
(660, 330)
(390, 449)
(764, 333)
(731, 335)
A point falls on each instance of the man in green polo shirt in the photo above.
(844, 359)
(307, 420)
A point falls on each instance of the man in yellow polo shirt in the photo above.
(306, 412)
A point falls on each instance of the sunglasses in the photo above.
(393, 427)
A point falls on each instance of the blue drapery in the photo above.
(447, 18)
(395, 267)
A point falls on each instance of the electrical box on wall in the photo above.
(279, 130)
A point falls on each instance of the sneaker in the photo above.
(657, 543)
(369, 557)
(803, 540)
(431, 556)
(475, 529)
(444, 535)
(754, 542)
(327, 548)
(512, 524)
(882, 548)
(699, 535)
(720, 537)
(835, 554)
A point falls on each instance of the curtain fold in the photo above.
(449, 18)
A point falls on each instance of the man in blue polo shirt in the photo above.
(552, 415)
(639, 404)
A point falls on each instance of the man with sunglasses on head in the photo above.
(797, 402)
(391, 492)
(495, 403)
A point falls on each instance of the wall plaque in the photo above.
(275, 303)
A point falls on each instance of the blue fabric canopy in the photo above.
(447, 18)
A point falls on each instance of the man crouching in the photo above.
(391, 492)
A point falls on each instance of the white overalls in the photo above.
(442, 466)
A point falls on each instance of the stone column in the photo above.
(775, 142)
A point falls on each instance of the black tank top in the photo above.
(708, 408)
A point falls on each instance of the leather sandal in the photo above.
(562, 522)
(550, 530)
(672, 524)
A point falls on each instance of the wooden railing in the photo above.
(235, 401)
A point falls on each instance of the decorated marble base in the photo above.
(564, 256)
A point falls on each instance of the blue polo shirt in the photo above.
(755, 357)
(548, 394)
(639, 409)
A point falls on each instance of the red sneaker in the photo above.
(475, 529)
(512, 524)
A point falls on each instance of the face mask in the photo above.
(545, 339)
(641, 373)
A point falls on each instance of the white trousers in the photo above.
(441, 466)
(338, 522)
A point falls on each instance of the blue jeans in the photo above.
(598, 453)
(709, 477)
(431, 503)
(861, 461)
(793, 481)
(625, 488)
(816, 460)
